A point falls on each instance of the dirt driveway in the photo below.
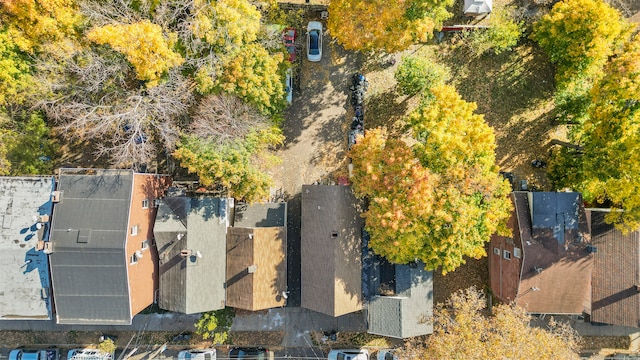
(316, 130)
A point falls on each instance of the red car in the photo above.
(289, 36)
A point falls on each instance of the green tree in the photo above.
(610, 138)
(237, 165)
(579, 36)
(385, 25)
(461, 200)
(254, 77)
(463, 330)
(16, 80)
(28, 145)
(503, 33)
(417, 74)
(215, 325)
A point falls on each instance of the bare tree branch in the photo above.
(223, 118)
(97, 100)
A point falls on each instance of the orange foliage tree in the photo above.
(439, 200)
(385, 25)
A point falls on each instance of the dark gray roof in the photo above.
(24, 284)
(88, 265)
(556, 212)
(194, 283)
(331, 240)
(260, 215)
(409, 311)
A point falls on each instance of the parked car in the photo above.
(289, 35)
(387, 355)
(353, 136)
(288, 85)
(350, 354)
(34, 354)
(253, 353)
(193, 354)
(88, 354)
(314, 41)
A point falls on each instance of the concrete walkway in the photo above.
(297, 323)
(148, 322)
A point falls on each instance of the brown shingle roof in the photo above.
(556, 271)
(615, 298)
(331, 275)
(264, 248)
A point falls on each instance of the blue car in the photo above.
(33, 354)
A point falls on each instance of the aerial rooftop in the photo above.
(25, 206)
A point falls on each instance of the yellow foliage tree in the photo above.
(253, 76)
(226, 24)
(579, 36)
(37, 23)
(385, 25)
(441, 200)
(143, 44)
(611, 139)
(463, 330)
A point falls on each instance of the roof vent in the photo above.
(48, 247)
(252, 269)
(185, 253)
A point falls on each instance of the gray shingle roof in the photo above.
(331, 238)
(192, 284)
(24, 284)
(409, 312)
(88, 265)
(260, 215)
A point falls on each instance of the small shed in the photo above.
(475, 8)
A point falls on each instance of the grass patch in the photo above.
(352, 340)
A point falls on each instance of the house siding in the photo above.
(504, 275)
(143, 276)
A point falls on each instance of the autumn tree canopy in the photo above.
(463, 330)
(385, 25)
(606, 168)
(439, 200)
(579, 36)
(237, 164)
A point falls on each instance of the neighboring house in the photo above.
(257, 257)
(191, 237)
(545, 267)
(616, 270)
(403, 305)
(25, 210)
(103, 262)
(505, 253)
(475, 8)
(331, 240)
